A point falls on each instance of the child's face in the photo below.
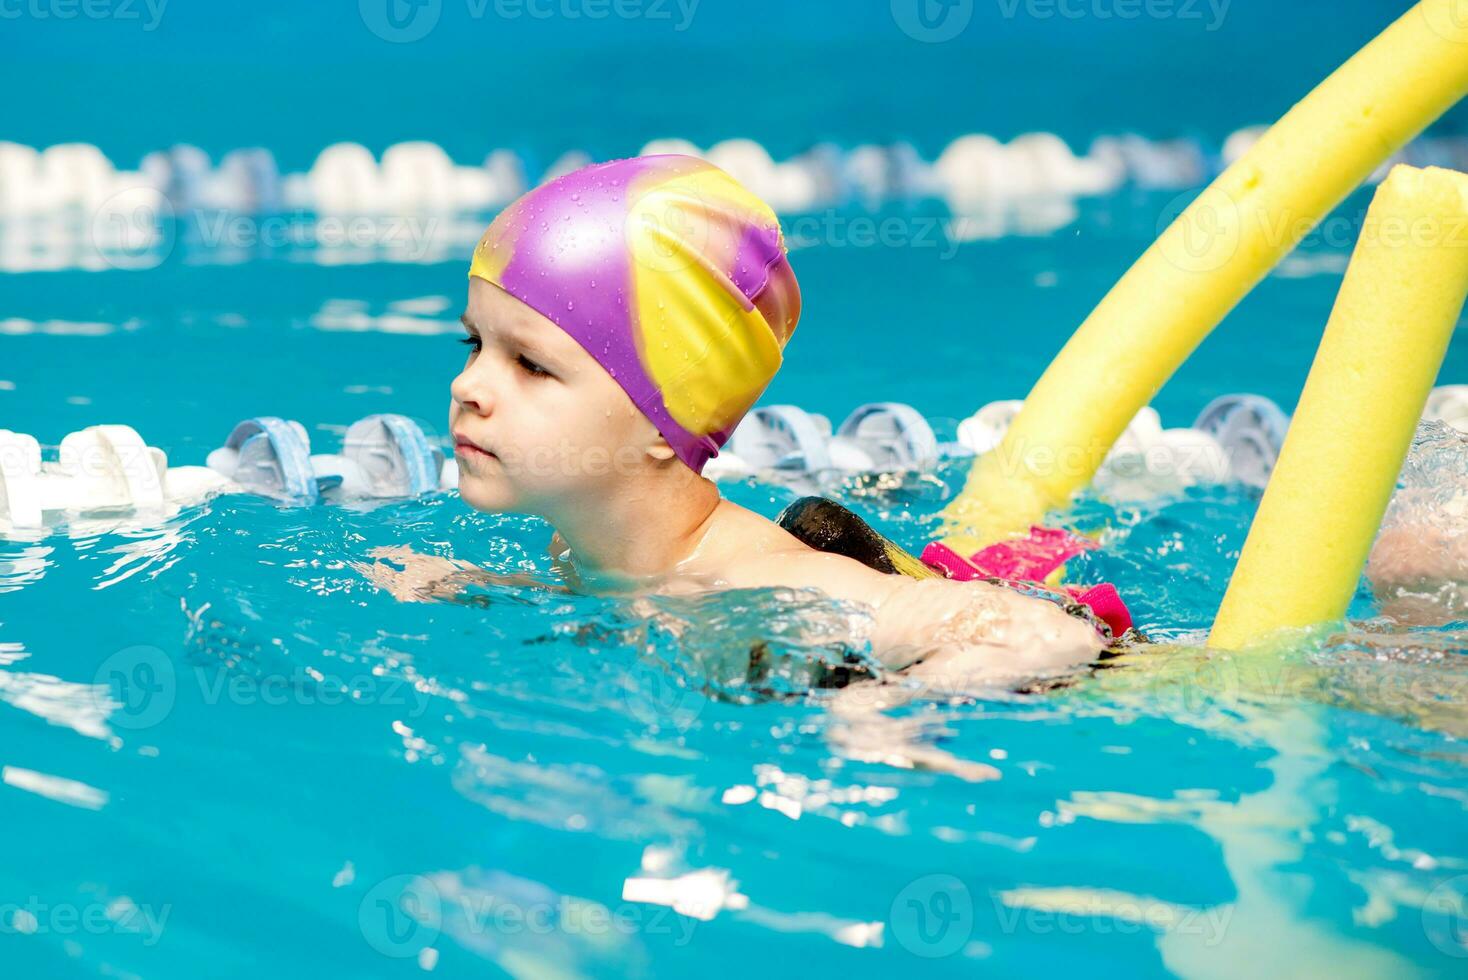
(550, 425)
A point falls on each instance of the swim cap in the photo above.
(669, 273)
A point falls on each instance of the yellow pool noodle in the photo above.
(1382, 350)
(1217, 250)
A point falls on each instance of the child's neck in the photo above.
(639, 534)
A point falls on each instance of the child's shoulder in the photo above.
(746, 550)
(736, 534)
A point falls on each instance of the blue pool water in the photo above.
(239, 757)
(227, 754)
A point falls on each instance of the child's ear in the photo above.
(660, 450)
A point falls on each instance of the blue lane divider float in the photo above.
(385, 456)
(271, 457)
(394, 455)
(885, 436)
(777, 437)
(1251, 430)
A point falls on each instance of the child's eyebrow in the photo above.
(514, 338)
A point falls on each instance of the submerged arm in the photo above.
(956, 634)
(414, 577)
(1419, 562)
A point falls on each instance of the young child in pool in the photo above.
(621, 320)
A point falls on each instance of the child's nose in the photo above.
(472, 393)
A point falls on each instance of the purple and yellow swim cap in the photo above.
(668, 272)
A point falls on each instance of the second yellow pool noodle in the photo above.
(1217, 250)
(1381, 353)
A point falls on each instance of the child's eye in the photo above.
(473, 342)
(531, 368)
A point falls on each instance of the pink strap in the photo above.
(1108, 606)
(1033, 560)
(950, 563)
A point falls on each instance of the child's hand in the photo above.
(1412, 553)
(1419, 573)
(413, 577)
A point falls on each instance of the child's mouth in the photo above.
(463, 447)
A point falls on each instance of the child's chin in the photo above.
(482, 495)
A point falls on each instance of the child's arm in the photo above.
(1424, 540)
(959, 635)
(1419, 563)
(413, 577)
(962, 635)
(1410, 555)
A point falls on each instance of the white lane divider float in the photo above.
(20, 478)
(1449, 405)
(100, 468)
(1237, 437)
(877, 437)
(1250, 430)
(109, 468)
